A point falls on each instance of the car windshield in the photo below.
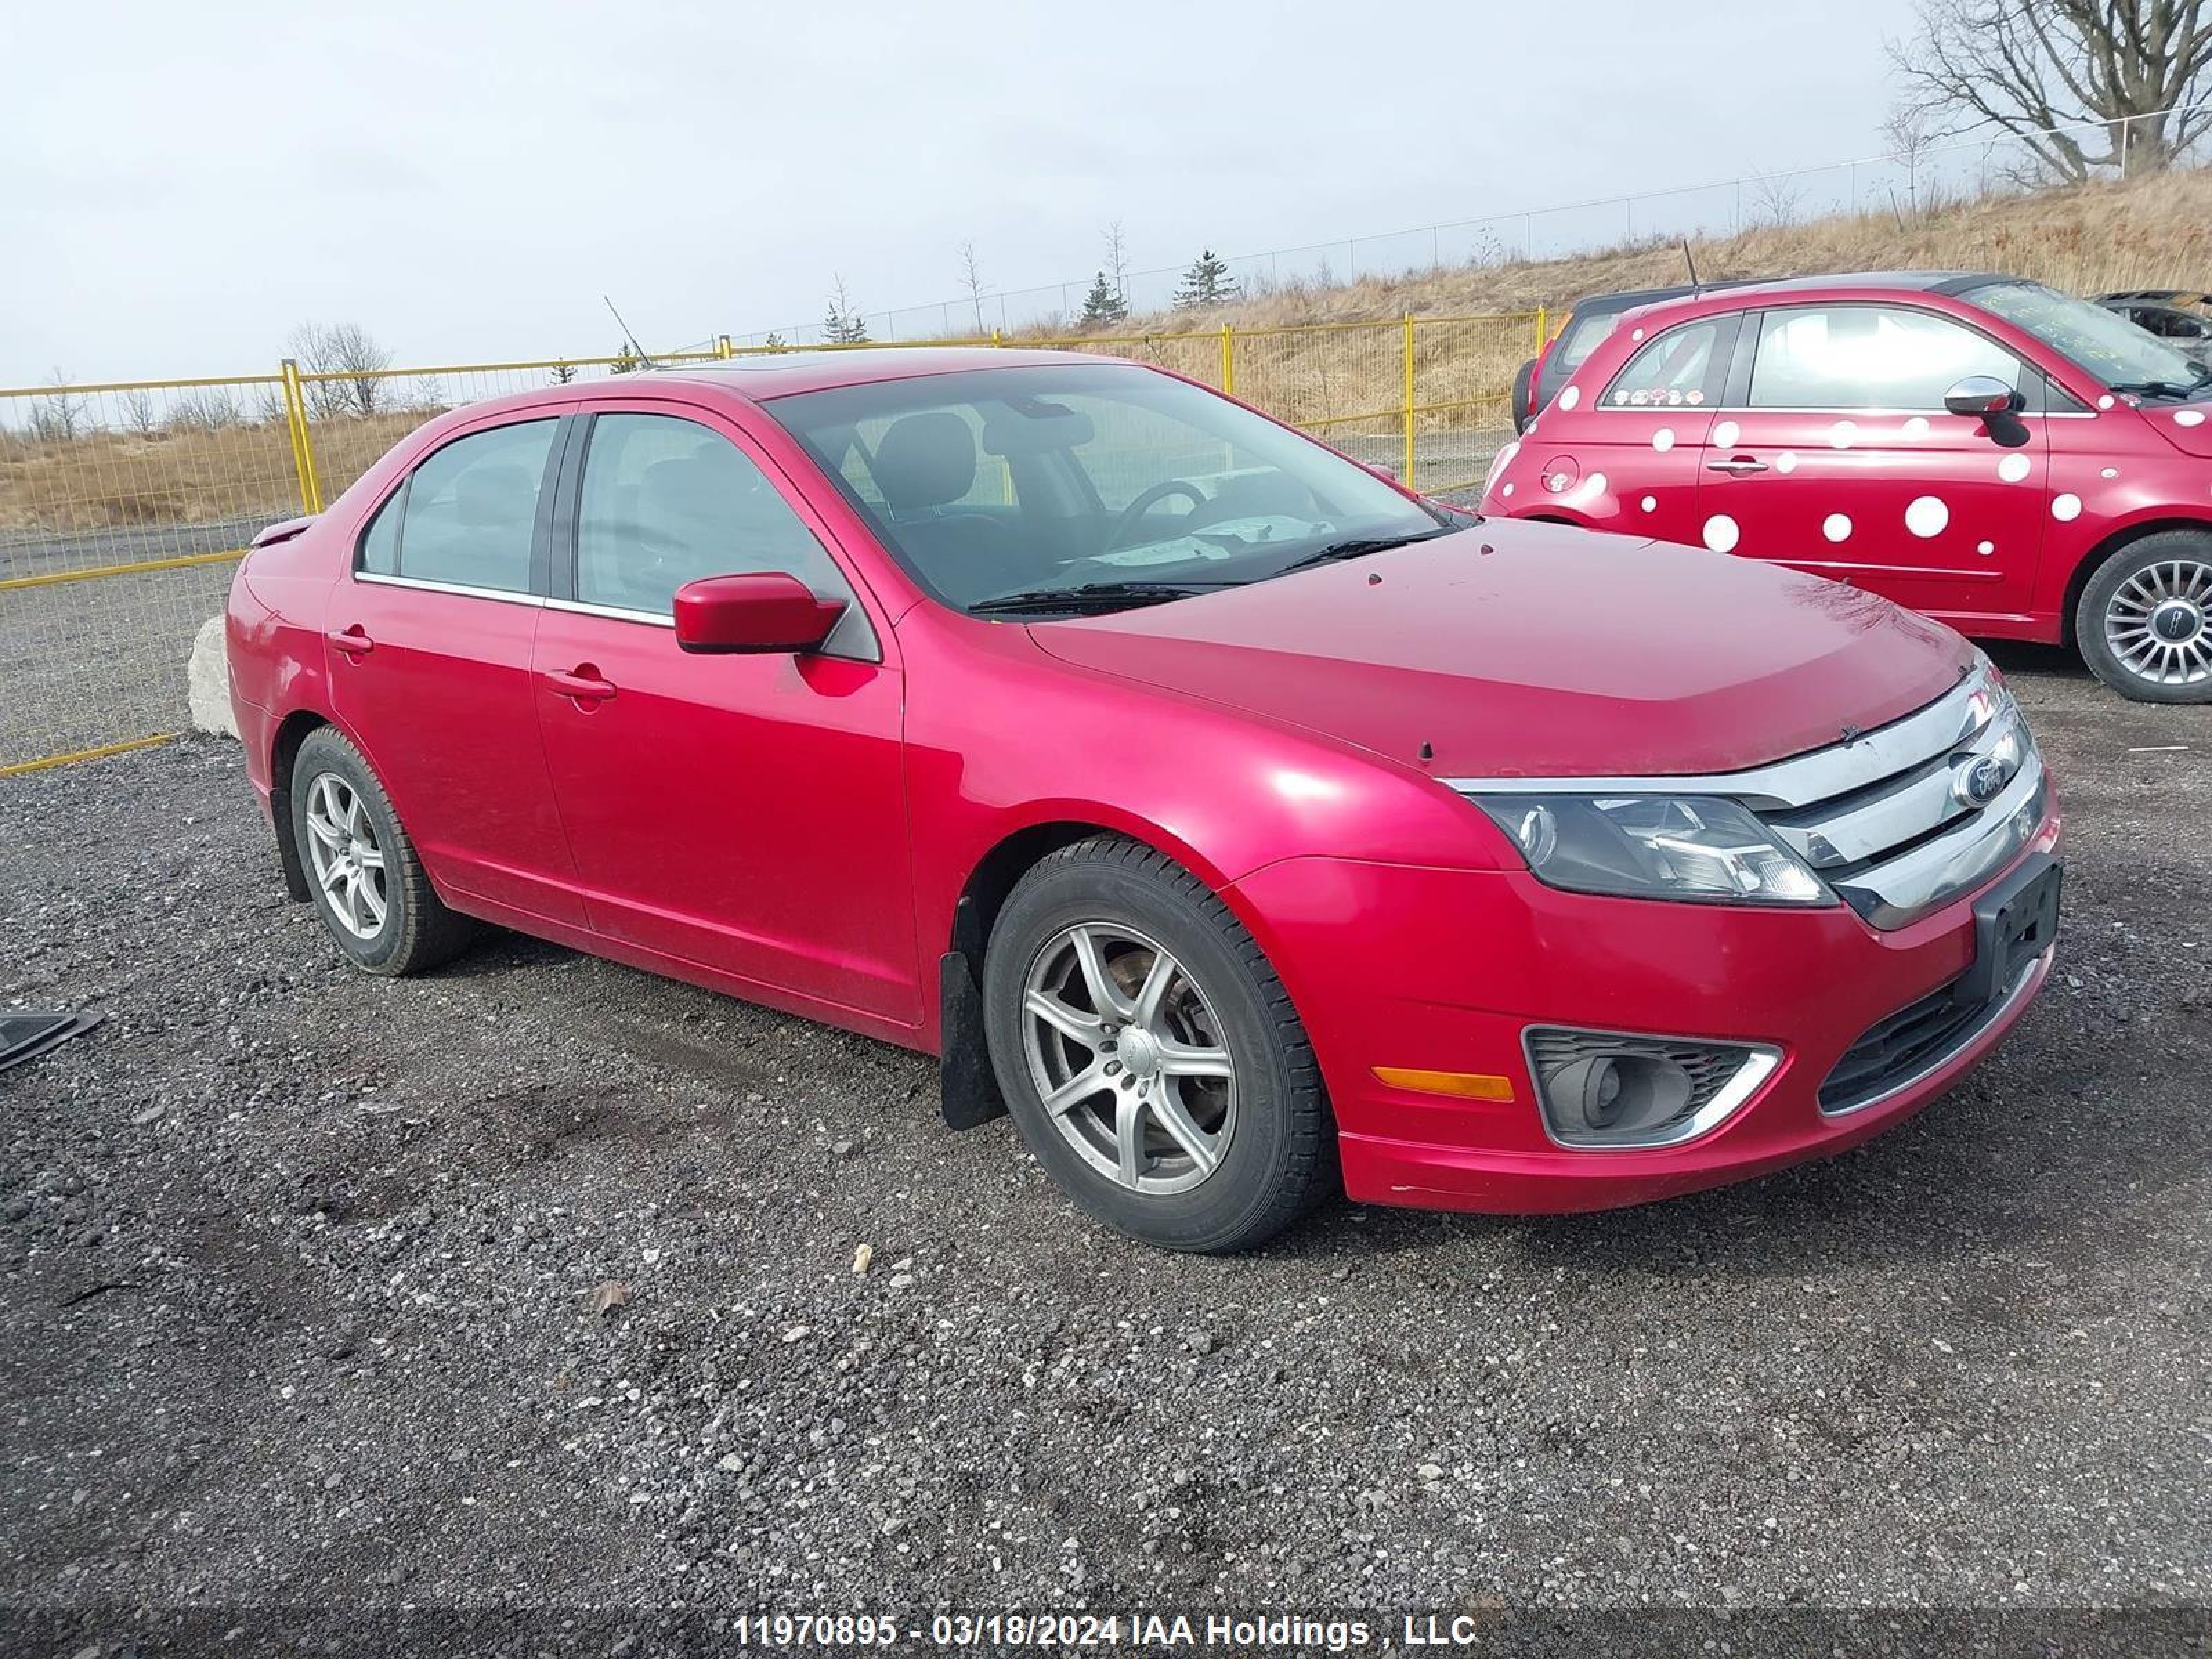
(1063, 488)
(2120, 354)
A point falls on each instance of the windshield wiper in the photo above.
(2161, 388)
(1357, 546)
(1091, 596)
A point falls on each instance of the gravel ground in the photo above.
(297, 1272)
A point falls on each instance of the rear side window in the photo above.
(1869, 358)
(469, 513)
(380, 543)
(1679, 369)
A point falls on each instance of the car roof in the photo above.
(760, 376)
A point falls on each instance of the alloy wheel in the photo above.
(2158, 622)
(1128, 1057)
(349, 862)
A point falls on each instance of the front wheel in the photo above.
(2144, 623)
(1150, 1056)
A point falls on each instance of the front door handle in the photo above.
(1737, 466)
(581, 683)
(354, 641)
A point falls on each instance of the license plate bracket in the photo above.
(2013, 924)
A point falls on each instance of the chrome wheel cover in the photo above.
(2159, 623)
(348, 864)
(1129, 1057)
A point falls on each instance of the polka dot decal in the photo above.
(1507, 491)
(2189, 417)
(1650, 503)
(1594, 486)
(1916, 427)
(2111, 472)
(1637, 335)
(1835, 527)
(1926, 516)
(1721, 533)
(2066, 508)
(1663, 438)
(2104, 402)
(1985, 548)
(1571, 397)
(1786, 461)
(1726, 433)
(2013, 469)
(1842, 434)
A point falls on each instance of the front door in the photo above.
(430, 642)
(742, 812)
(1837, 456)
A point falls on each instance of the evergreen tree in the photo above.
(844, 325)
(774, 342)
(1207, 282)
(1104, 306)
(625, 360)
(562, 374)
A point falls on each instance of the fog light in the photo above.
(1606, 1089)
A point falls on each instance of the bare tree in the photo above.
(1909, 130)
(61, 414)
(350, 355)
(138, 413)
(1775, 197)
(2121, 70)
(1117, 264)
(971, 280)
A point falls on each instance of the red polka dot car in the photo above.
(1986, 451)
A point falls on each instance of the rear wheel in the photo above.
(1524, 391)
(370, 889)
(2144, 623)
(1150, 1056)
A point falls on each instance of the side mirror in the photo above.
(1980, 396)
(760, 613)
(1388, 473)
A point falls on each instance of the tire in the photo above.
(1524, 389)
(1269, 1140)
(2163, 577)
(385, 916)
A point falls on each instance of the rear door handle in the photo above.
(1740, 465)
(354, 641)
(582, 683)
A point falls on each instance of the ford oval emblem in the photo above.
(1980, 781)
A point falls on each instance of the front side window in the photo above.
(666, 500)
(1677, 369)
(997, 484)
(2101, 344)
(1869, 358)
(469, 513)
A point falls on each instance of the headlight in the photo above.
(1663, 846)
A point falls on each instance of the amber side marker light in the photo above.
(1463, 1086)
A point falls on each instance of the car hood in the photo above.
(1530, 650)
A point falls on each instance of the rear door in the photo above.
(1834, 454)
(744, 812)
(430, 642)
(1624, 456)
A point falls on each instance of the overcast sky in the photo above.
(180, 184)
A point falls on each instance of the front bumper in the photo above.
(1432, 969)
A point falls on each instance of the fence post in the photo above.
(996, 338)
(1229, 359)
(723, 347)
(303, 448)
(1540, 321)
(1409, 397)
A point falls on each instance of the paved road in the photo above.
(295, 1269)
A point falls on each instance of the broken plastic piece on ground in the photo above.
(26, 1036)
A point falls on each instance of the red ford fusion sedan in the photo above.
(1245, 825)
(2018, 464)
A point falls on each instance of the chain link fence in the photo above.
(125, 506)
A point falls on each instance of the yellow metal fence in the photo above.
(123, 506)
